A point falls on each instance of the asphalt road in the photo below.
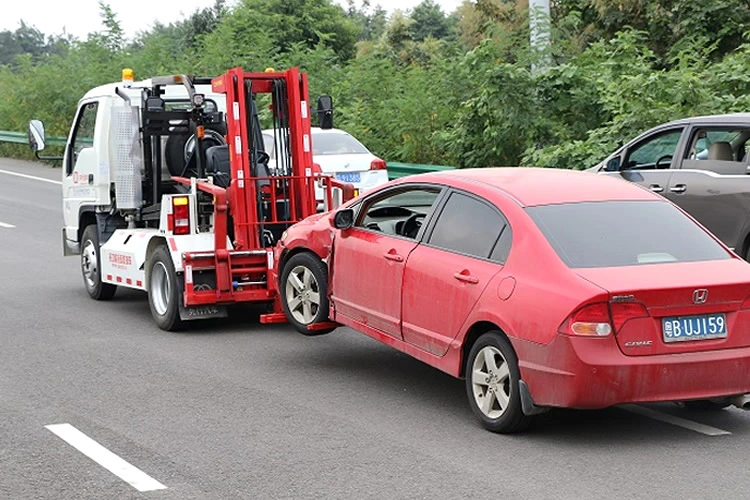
(234, 409)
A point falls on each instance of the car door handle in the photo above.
(392, 255)
(656, 188)
(466, 277)
(678, 188)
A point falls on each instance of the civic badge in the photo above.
(700, 296)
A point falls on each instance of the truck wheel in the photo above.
(304, 287)
(164, 290)
(492, 378)
(91, 268)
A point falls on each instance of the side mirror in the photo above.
(325, 111)
(36, 136)
(343, 219)
(613, 165)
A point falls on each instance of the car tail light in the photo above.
(592, 320)
(746, 303)
(623, 311)
(378, 164)
(181, 214)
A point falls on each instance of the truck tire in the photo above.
(91, 269)
(164, 290)
(492, 384)
(304, 293)
(177, 156)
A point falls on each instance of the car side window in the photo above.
(653, 152)
(722, 150)
(471, 227)
(399, 212)
(83, 136)
(502, 247)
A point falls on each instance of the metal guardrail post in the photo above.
(22, 138)
(398, 169)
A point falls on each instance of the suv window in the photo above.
(644, 232)
(719, 149)
(654, 152)
(470, 227)
(83, 136)
(399, 212)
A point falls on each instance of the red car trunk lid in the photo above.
(698, 290)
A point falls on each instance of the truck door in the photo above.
(80, 167)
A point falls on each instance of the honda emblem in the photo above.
(700, 296)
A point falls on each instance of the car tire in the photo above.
(164, 290)
(708, 404)
(492, 385)
(303, 289)
(91, 269)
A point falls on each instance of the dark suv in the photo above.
(700, 164)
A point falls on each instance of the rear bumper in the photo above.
(593, 373)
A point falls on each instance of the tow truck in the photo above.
(167, 188)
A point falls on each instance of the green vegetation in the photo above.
(425, 86)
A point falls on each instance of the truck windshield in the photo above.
(624, 233)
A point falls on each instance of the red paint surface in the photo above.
(419, 306)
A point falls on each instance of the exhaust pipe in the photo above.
(742, 401)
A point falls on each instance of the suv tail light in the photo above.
(378, 164)
(601, 318)
(746, 303)
(181, 214)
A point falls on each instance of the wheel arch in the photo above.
(86, 217)
(288, 253)
(472, 335)
(153, 244)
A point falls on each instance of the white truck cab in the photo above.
(95, 142)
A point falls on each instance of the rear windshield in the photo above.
(624, 233)
(336, 144)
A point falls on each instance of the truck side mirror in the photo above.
(343, 219)
(325, 111)
(36, 136)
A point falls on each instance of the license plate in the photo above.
(709, 326)
(203, 312)
(351, 177)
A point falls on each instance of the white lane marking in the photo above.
(6, 225)
(26, 176)
(678, 421)
(101, 455)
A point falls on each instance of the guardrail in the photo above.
(23, 138)
(395, 169)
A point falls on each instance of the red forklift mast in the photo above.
(259, 203)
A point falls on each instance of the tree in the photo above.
(429, 21)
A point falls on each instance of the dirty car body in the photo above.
(593, 291)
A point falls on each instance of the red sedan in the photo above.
(542, 288)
